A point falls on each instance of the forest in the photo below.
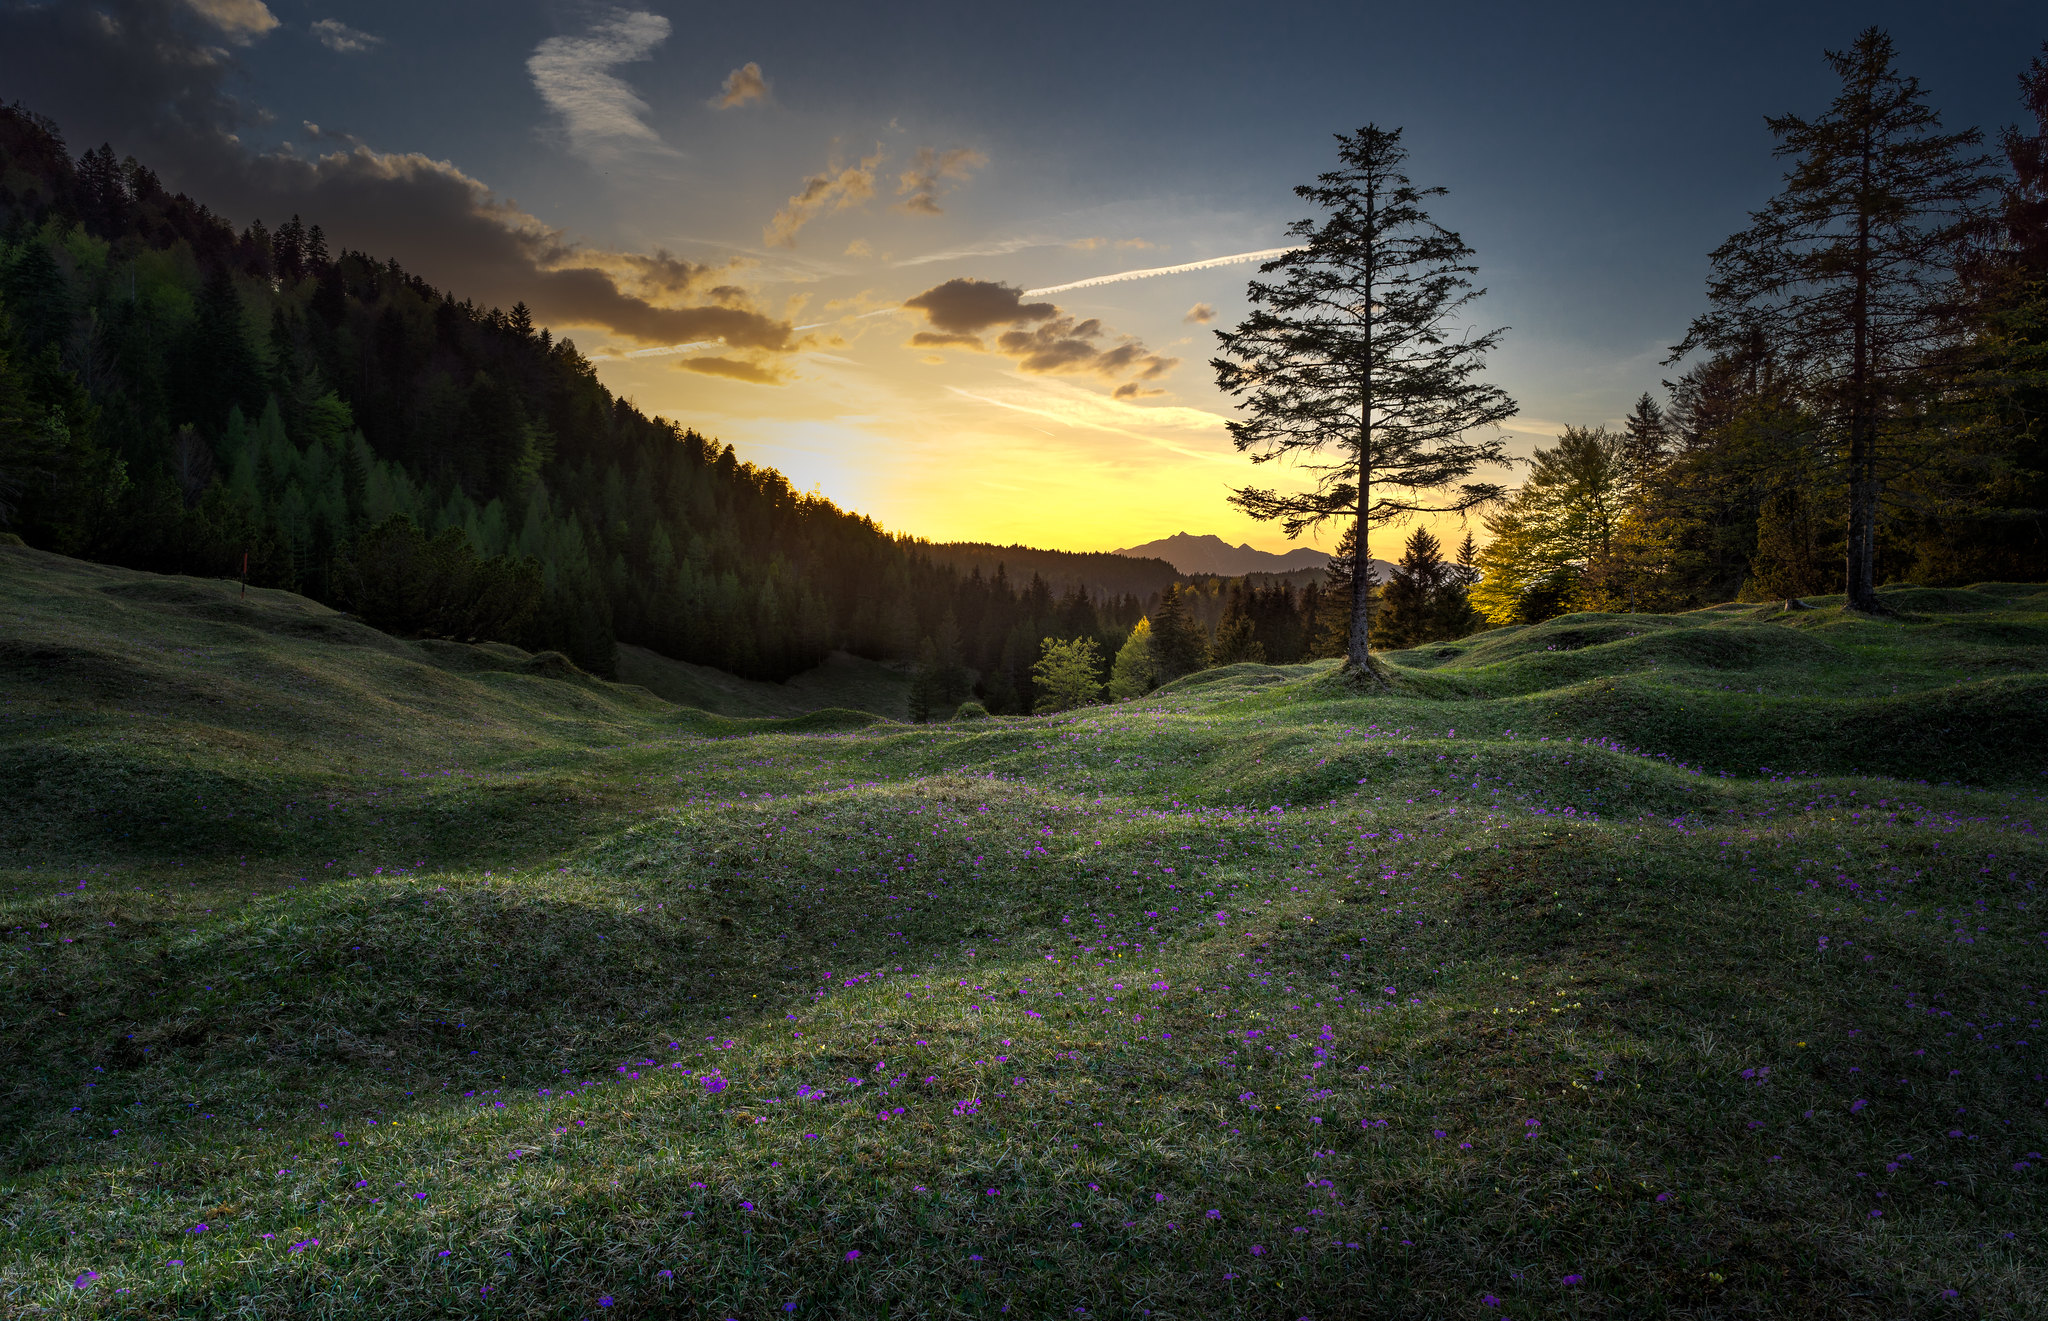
(182, 397)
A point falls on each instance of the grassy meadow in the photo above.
(1617, 966)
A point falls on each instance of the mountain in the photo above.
(1212, 554)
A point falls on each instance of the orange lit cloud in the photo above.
(920, 185)
(734, 369)
(834, 190)
(742, 86)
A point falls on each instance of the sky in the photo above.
(818, 231)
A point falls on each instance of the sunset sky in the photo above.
(749, 216)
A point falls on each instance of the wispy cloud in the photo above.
(993, 248)
(1079, 408)
(573, 76)
(342, 39)
(742, 86)
(920, 185)
(1201, 314)
(834, 190)
(1234, 259)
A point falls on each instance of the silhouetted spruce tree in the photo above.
(1178, 646)
(1409, 609)
(1235, 637)
(1353, 365)
(1848, 276)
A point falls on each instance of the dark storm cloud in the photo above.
(968, 307)
(149, 75)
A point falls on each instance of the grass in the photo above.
(440, 981)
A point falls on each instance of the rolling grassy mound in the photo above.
(350, 977)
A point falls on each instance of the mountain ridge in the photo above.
(1209, 553)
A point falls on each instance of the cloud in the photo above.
(741, 87)
(1235, 258)
(859, 248)
(240, 21)
(932, 339)
(920, 185)
(451, 227)
(993, 248)
(571, 74)
(1043, 341)
(1132, 390)
(1201, 314)
(734, 369)
(1097, 243)
(967, 307)
(148, 76)
(834, 190)
(342, 39)
(1066, 346)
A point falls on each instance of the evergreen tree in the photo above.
(1645, 442)
(1847, 274)
(1235, 637)
(924, 684)
(1467, 566)
(1352, 364)
(1409, 609)
(1178, 646)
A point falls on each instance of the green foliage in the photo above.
(1235, 642)
(1065, 674)
(403, 582)
(1135, 672)
(1426, 600)
(971, 711)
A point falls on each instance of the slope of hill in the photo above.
(354, 977)
(842, 680)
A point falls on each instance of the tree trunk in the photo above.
(1358, 650)
(1859, 588)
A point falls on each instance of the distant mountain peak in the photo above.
(1209, 553)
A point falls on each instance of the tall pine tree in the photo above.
(1352, 365)
(1847, 274)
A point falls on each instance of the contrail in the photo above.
(1234, 259)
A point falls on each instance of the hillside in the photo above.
(1658, 965)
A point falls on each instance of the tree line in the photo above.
(1865, 400)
